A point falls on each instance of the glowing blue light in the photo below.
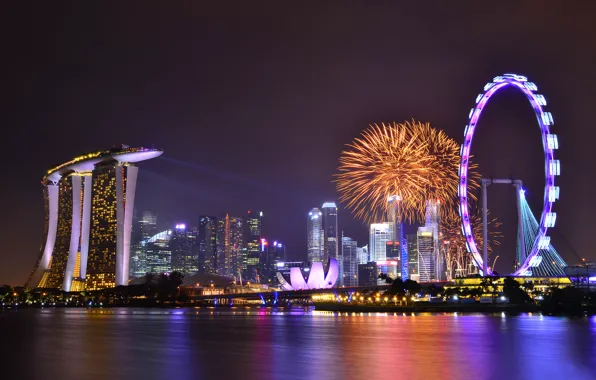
(531, 86)
(547, 118)
(552, 142)
(281, 264)
(479, 97)
(555, 167)
(553, 193)
(550, 219)
(540, 99)
(544, 242)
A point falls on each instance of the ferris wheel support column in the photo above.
(520, 226)
(485, 183)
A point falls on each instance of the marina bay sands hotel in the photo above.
(89, 205)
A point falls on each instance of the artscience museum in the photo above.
(314, 278)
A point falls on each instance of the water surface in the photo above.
(261, 344)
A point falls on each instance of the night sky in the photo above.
(253, 102)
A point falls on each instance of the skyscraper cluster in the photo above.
(418, 256)
(324, 241)
(228, 246)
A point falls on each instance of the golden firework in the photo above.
(454, 243)
(411, 160)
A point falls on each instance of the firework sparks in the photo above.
(454, 243)
(411, 160)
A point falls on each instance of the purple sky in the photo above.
(252, 103)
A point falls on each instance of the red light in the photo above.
(249, 211)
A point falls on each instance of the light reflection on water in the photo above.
(246, 343)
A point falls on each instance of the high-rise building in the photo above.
(380, 234)
(142, 229)
(363, 256)
(426, 254)
(315, 236)
(158, 252)
(413, 272)
(331, 238)
(231, 247)
(148, 225)
(184, 247)
(349, 253)
(254, 249)
(330, 233)
(223, 261)
(90, 202)
(433, 221)
(367, 274)
(275, 253)
(207, 244)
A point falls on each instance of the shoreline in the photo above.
(430, 308)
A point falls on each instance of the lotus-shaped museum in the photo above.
(317, 277)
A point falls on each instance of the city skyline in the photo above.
(264, 132)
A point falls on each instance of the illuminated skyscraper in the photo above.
(363, 256)
(253, 235)
(230, 247)
(184, 247)
(274, 253)
(90, 202)
(207, 241)
(148, 224)
(413, 272)
(330, 230)
(142, 229)
(380, 234)
(349, 253)
(159, 254)
(315, 236)
(396, 248)
(426, 254)
(236, 246)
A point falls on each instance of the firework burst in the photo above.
(456, 252)
(411, 160)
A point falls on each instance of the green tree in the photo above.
(512, 289)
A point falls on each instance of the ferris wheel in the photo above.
(552, 168)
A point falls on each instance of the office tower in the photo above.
(426, 254)
(380, 234)
(367, 274)
(158, 252)
(90, 202)
(142, 229)
(274, 253)
(184, 247)
(349, 254)
(253, 236)
(236, 246)
(148, 224)
(138, 259)
(231, 247)
(207, 244)
(330, 247)
(363, 256)
(315, 236)
(223, 261)
(390, 268)
(331, 238)
(413, 272)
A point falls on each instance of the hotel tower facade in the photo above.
(89, 204)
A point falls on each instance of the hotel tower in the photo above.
(89, 205)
